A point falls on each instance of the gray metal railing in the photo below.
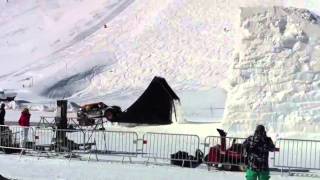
(161, 147)
(116, 143)
(50, 140)
(167, 146)
(16, 138)
(98, 142)
(297, 153)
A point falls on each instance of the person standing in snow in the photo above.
(24, 122)
(2, 113)
(257, 148)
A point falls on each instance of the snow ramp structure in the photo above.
(275, 76)
(155, 105)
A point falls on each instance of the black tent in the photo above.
(154, 106)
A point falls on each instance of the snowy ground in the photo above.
(28, 168)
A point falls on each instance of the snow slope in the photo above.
(189, 42)
(33, 31)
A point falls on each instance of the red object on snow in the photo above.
(214, 155)
(220, 154)
(24, 119)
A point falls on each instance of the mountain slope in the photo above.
(61, 49)
(34, 31)
(189, 42)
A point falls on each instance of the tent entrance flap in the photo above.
(154, 106)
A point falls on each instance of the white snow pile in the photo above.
(275, 77)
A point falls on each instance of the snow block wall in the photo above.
(275, 79)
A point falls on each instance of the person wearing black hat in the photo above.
(257, 148)
(2, 113)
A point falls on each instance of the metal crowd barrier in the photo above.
(116, 143)
(73, 142)
(224, 151)
(218, 151)
(14, 139)
(164, 146)
(296, 153)
(59, 141)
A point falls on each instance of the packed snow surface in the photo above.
(31, 168)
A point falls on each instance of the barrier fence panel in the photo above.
(59, 141)
(164, 146)
(295, 153)
(43, 139)
(226, 151)
(117, 143)
(16, 138)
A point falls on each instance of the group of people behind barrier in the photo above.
(24, 123)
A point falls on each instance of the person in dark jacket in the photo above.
(2, 113)
(24, 122)
(257, 148)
